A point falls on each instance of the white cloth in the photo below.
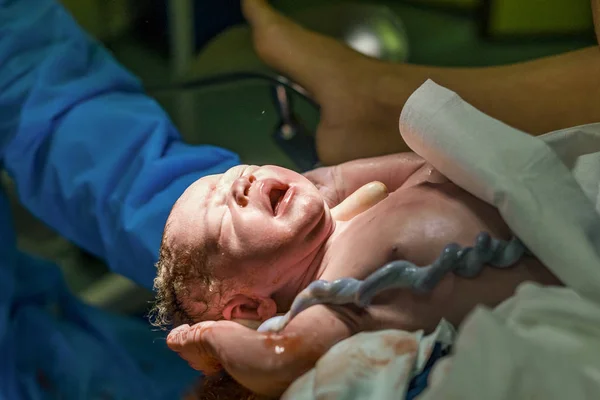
(378, 365)
(536, 194)
(543, 342)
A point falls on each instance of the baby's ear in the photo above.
(249, 308)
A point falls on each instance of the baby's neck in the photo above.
(341, 216)
(327, 249)
(319, 259)
(314, 264)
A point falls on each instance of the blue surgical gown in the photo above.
(101, 163)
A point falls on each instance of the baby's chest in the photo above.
(398, 228)
(369, 241)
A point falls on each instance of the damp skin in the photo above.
(414, 222)
(466, 262)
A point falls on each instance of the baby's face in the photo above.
(263, 222)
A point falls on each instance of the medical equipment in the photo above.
(291, 135)
(466, 262)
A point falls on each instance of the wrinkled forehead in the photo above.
(202, 187)
(188, 220)
(198, 192)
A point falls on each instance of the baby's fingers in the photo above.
(361, 200)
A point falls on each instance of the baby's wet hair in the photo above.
(178, 270)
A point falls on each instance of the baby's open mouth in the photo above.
(276, 196)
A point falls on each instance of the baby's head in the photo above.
(239, 245)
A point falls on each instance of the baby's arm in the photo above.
(338, 182)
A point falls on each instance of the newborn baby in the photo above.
(242, 245)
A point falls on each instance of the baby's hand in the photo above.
(359, 201)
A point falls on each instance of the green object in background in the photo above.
(461, 4)
(103, 19)
(537, 17)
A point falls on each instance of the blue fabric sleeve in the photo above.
(92, 155)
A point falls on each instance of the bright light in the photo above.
(365, 42)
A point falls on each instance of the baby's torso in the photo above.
(414, 224)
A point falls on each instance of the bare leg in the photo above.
(361, 97)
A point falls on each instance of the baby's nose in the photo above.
(240, 189)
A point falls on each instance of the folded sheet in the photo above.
(544, 343)
(378, 365)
